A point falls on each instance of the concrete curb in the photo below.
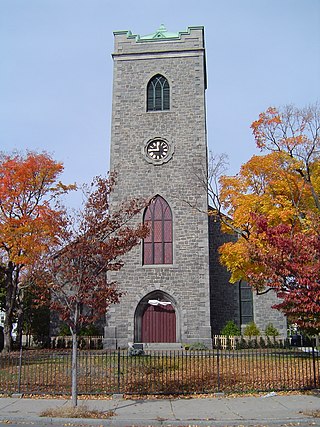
(273, 410)
(114, 422)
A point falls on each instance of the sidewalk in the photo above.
(214, 411)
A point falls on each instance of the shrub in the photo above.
(89, 331)
(218, 344)
(251, 330)
(64, 330)
(270, 343)
(255, 343)
(271, 331)
(228, 345)
(136, 351)
(198, 346)
(262, 343)
(237, 343)
(230, 329)
(242, 344)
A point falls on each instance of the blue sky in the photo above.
(56, 70)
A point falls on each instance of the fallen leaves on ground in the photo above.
(81, 411)
(314, 414)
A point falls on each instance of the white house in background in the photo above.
(2, 318)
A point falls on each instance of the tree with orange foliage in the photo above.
(295, 133)
(31, 221)
(266, 185)
(75, 273)
(281, 186)
(289, 262)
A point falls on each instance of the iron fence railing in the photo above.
(164, 372)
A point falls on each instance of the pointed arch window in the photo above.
(157, 246)
(158, 94)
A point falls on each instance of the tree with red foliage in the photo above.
(288, 261)
(282, 188)
(31, 220)
(75, 273)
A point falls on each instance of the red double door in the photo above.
(159, 324)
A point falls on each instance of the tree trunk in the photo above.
(20, 316)
(7, 329)
(19, 325)
(74, 371)
(11, 293)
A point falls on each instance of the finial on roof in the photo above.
(162, 28)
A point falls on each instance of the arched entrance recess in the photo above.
(156, 318)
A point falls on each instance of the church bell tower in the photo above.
(158, 151)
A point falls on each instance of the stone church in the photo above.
(175, 289)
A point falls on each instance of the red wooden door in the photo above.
(159, 324)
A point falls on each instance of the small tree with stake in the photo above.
(75, 273)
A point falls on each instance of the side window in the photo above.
(158, 94)
(157, 246)
(246, 303)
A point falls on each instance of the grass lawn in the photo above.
(183, 372)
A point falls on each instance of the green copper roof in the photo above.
(160, 34)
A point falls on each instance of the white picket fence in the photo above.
(225, 342)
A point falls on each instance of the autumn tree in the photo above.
(266, 185)
(30, 221)
(280, 186)
(2, 289)
(289, 262)
(294, 133)
(75, 274)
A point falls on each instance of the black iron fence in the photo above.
(164, 372)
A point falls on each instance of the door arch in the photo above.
(156, 318)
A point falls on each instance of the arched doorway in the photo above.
(155, 319)
(158, 324)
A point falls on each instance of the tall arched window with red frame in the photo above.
(157, 246)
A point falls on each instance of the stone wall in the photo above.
(224, 296)
(187, 279)
(264, 314)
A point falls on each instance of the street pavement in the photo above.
(269, 409)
